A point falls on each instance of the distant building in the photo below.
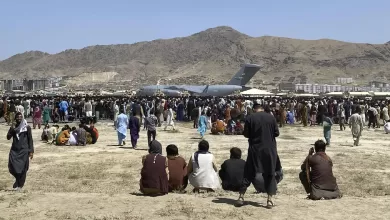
(378, 84)
(344, 80)
(322, 88)
(287, 86)
(29, 84)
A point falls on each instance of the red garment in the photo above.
(38, 113)
(153, 174)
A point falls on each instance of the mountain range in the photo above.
(210, 56)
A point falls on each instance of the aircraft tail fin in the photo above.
(205, 89)
(245, 74)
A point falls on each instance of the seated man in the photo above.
(218, 127)
(81, 135)
(317, 175)
(92, 133)
(63, 137)
(232, 171)
(177, 166)
(154, 172)
(46, 134)
(231, 125)
(73, 137)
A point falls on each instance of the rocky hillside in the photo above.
(213, 55)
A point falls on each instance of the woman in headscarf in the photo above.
(37, 117)
(46, 114)
(22, 150)
(202, 169)
(154, 173)
(180, 111)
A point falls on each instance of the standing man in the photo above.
(170, 118)
(88, 109)
(1, 108)
(341, 116)
(159, 110)
(11, 113)
(22, 150)
(21, 109)
(63, 110)
(26, 106)
(134, 126)
(356, 124)
(304, 114)
(385, 113)
(261, 130)
(121, 127)
(116, 113)
(372, 117)
(151, 123)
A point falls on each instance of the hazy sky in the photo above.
(55, 25)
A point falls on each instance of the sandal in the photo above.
(239, 202)
(270, 204)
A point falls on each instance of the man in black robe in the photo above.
(22, 150)
(261, 130)
(259, 184)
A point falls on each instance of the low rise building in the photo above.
(29, 84)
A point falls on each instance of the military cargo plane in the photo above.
(236, 84)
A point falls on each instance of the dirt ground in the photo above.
(101, 181)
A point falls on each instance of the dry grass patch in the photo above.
(173, 131)
(288, 137)
(363, 183)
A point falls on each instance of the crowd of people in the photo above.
(258, 119)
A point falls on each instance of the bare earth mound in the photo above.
(214, 55)
(102, 181)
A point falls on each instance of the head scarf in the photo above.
(155, 147)
(204, 151)
(22, 127)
